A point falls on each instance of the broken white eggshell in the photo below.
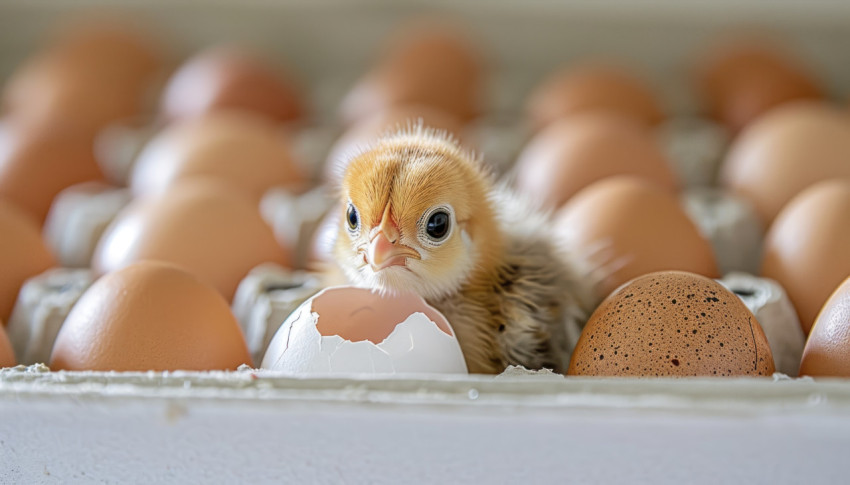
(348, 330)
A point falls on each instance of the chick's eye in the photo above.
(438, 225)
(352, 218)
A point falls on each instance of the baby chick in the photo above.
(423, 216)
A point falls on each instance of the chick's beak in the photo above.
(384, 249)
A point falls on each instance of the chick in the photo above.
(421, 215)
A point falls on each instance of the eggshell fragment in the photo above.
(428, 63)
(827, 352)
(150, 316)
(7, 356)
(675, 324)
(786, 151)
(228, 77)
(807, 249)
(354, 330)
(237, 148)
(209, 228)
(39, 161)
(22, 254)
(629, 227)
(573, 153)
(593, 87)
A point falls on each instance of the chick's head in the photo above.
(417, 215)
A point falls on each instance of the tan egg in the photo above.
(209, 228)
(241, 149)
(827, 351)
(806, 248)
(150, 316)
(741, 80)
(363, 132)
(574, 152)
(7, 353)
(592, 88)
(228, 77)
(428, 64)
(37, 161)
(629, 227)
(672, 324)
(93, 73)
(23, 254)
(786, 151)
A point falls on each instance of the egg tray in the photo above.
(256, 426)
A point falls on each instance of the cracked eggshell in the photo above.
(344, 330)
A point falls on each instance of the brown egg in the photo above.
(7, 354)
(150, 316)
(807, 249)
(428, 64)
(741, 80)
(23, 254)
(629, 227)
(210, 229)
(786, 151)
(572, 153)
(93, 73)
(592, 88)
(230, 78)
(672, 323)
(393, 118)
(39, 161)
(242, 149)
(827, 351)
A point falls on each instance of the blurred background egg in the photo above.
(592, 87)
(345, 330)
(628, 227)
(427, 62)
(240, 149)
(37, 161)
(7, 355)
(827, 352)
(807, 249)
(574, 152)
(784, 152)
(23, 254)
(150, 316)
(365, 131)
(672, 323)
(739, 80)
(229, 77)
(206, 227)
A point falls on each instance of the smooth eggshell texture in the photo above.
(827, 351)
(629, 227)
(672, 323)
(364, 132)
(742, 80)
(230, 78)
(23, 254)
(37, 161)
(786, 151)
(206, 227)
(150, 316)
(238, 148)
(428, 64)
(94, 72)
(572, 153)
(7, 354)
(807, 249)
(593, 88)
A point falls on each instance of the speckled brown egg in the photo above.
(7, 354)
(593, 88)
(827, 351)
(807, 249)
(150, 316)
(229, 77)
(675, 324)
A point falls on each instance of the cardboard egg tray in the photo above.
(256, 426)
